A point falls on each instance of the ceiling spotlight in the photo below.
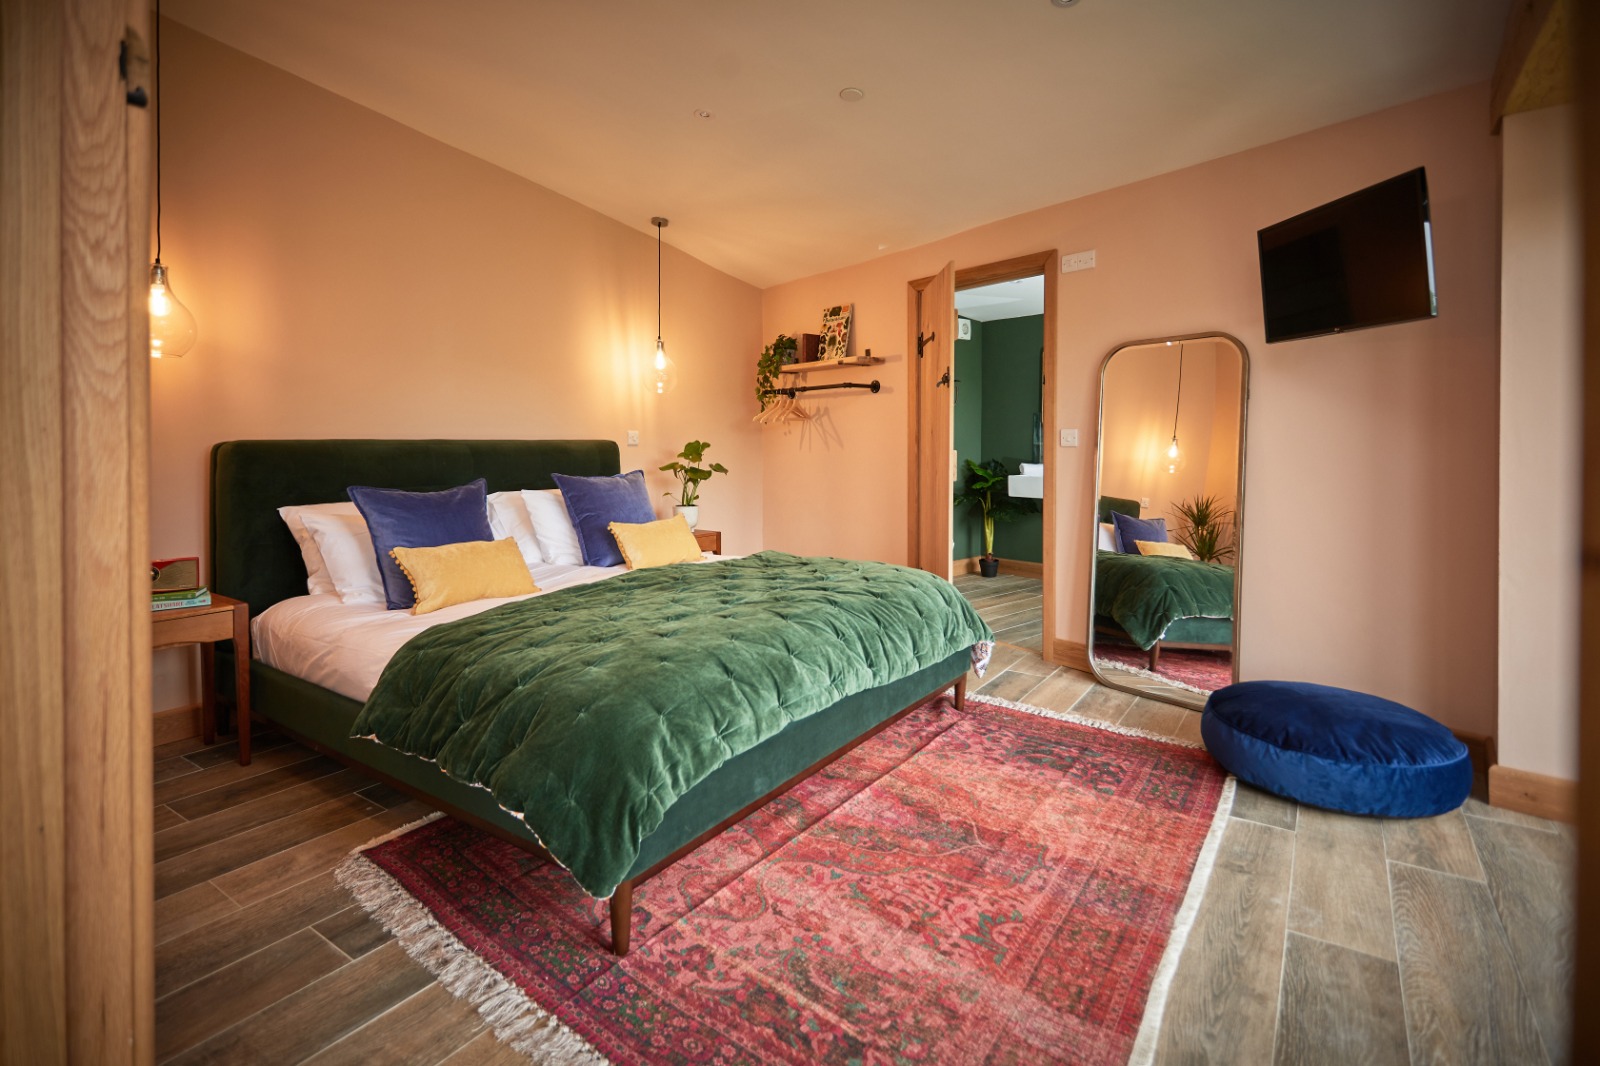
(850, 96)
(1065, 3)
(702, 113)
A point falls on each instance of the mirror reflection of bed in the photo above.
(1169, 500)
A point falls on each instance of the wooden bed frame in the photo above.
(255, 559)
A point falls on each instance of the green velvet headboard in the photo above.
(255, 559)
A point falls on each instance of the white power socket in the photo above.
(1069, 438)
(1077, 261)
(633, 438)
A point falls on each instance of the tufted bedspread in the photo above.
(588, 711)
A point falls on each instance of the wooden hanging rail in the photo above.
(872, 386)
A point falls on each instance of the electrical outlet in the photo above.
(1069, 438)
(1144, 501)
(1077, 261)
(633, 438)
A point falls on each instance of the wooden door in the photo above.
(933, 461)
(76, 954)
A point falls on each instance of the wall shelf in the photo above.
(827, 364)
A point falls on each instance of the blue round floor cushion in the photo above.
(1333, 748)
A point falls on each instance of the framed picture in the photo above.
(836, 332)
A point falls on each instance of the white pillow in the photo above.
(317, 580)
(347, 551)
(558, 541)
(508, 517)
(1108, 538)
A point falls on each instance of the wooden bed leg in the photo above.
(1155, 655)
(961, 693)
(621, 918)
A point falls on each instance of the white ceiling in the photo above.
(1004, 299)
(973, 111)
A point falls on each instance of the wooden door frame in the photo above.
(1022, 266)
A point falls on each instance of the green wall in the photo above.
(998, 394)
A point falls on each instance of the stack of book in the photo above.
(176, 599)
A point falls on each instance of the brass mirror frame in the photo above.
(1238, 507)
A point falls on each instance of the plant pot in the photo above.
(989, 565)
(691, 515)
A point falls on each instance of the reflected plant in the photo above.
(1205, 527)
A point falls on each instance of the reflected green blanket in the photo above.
(588, 711)
(1144, 594)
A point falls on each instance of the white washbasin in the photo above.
(1030, 485)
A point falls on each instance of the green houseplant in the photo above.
(779, 353)
(691, 474)
(1205, 527)
(984, 491)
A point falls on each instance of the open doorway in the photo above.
(948, 539)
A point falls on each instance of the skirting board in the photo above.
(176, 723)
(1540, 795)
(1070, 653)
(1013, 567)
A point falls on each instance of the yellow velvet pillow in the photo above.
(459, 573)
(646, 544)
(1161, 547)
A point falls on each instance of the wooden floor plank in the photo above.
(1339, 1006)
(486, 1049)
(166, 818)
(211, 828)
(244, 789)
(201, 1010)
(216, 861)
(304, 1022)
(353, 931)
(1341, 885)
(180, 788)
(1256, 805)
(182, 746)
(423, 1029)
(1223, 1004)
(1103, 704)
(188, 958)
(383, 795)
(1012, 685)
(1152, 716)
(1031, 662)
(228, 751)
(1060, 690)
(1529, 874)
(271, 875)
(1189, 728)
(177, 766)
(183, 912)
(1476, 808)
(1441, 843)
(1463, 1000)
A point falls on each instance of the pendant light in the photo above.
(172, 327)
(1174, 456)
(663, 374)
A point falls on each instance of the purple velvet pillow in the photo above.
(1130, 529)
(400, 519)
(593, 503)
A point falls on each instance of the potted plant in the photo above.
(1205, 527)
(690, 474)
(780, 352)
(984, 491)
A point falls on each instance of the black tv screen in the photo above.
(1363, 260)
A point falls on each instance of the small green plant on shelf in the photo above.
(984, 491)
(777, 354)
(1205, 527)
(690, 474)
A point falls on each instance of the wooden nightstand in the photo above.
(710, 540)
(224, 618)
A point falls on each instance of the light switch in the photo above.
(1077, 261)
(1144, 501)
(633, 438)
(1069, 438)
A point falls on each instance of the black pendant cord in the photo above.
(1178, 406)
(160, 106)
(658, 285)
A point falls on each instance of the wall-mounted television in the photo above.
(1363, 260)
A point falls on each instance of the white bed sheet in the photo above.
(345, 646)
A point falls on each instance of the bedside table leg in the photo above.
(241, 679)
(208, 693)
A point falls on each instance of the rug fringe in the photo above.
(515, 1018)
(1155, 1004)
(1078, 719)
(1109, 664)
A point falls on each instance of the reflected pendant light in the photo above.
(1174, 456)
(172, 327)
(663, 375)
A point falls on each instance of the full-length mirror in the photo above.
(1169, 490)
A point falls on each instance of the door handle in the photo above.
(944, 380)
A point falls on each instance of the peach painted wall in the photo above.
(1541, 419)
(354, 278)
(1370, 559)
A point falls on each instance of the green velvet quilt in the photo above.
(588, 711)
(1144, 594)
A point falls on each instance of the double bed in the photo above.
(1157, 602)
(317, 659)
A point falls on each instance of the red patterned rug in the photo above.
(971, 886)
(1191, 668)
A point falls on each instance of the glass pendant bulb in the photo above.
(172, 327)
(1174, 457)
(663, 373)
